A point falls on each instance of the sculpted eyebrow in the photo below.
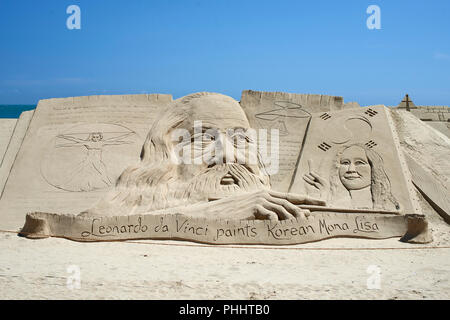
(204, 129)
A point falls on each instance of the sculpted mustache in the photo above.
(238, 171)
(210, 178)
(244, 177)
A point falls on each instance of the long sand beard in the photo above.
(224, 180)
(216, 182)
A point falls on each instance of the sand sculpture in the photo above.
(352, 159)
(274, 168)
(44, 174)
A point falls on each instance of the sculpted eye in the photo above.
(196, 137)
(360, 162)
(209, 137)
(239, 135)
(345, 162)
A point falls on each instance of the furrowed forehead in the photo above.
(217, 111)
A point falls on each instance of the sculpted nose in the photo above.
(351, 167)
(224, 148)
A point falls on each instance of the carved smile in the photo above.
(352, 177)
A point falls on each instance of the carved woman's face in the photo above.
(354, 168)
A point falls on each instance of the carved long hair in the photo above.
(380, 185)
(157, 159)
(146, 185)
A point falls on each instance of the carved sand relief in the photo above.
(88, 157)
(351, 161)
(289, 114)
(70, 155)
(280, 117)
(357, 180)
(347, 179)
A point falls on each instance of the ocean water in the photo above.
(14, 110)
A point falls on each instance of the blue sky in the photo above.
(226, 46)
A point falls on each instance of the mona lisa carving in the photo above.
(357, 180)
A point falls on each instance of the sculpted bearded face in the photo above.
(160, 180)
(219, 161)
(221, 149)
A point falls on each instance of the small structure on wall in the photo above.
(437, 117)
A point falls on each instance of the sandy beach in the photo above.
(331, 269)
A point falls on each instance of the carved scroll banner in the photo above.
(318, 226)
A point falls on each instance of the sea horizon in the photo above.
(12, 111)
